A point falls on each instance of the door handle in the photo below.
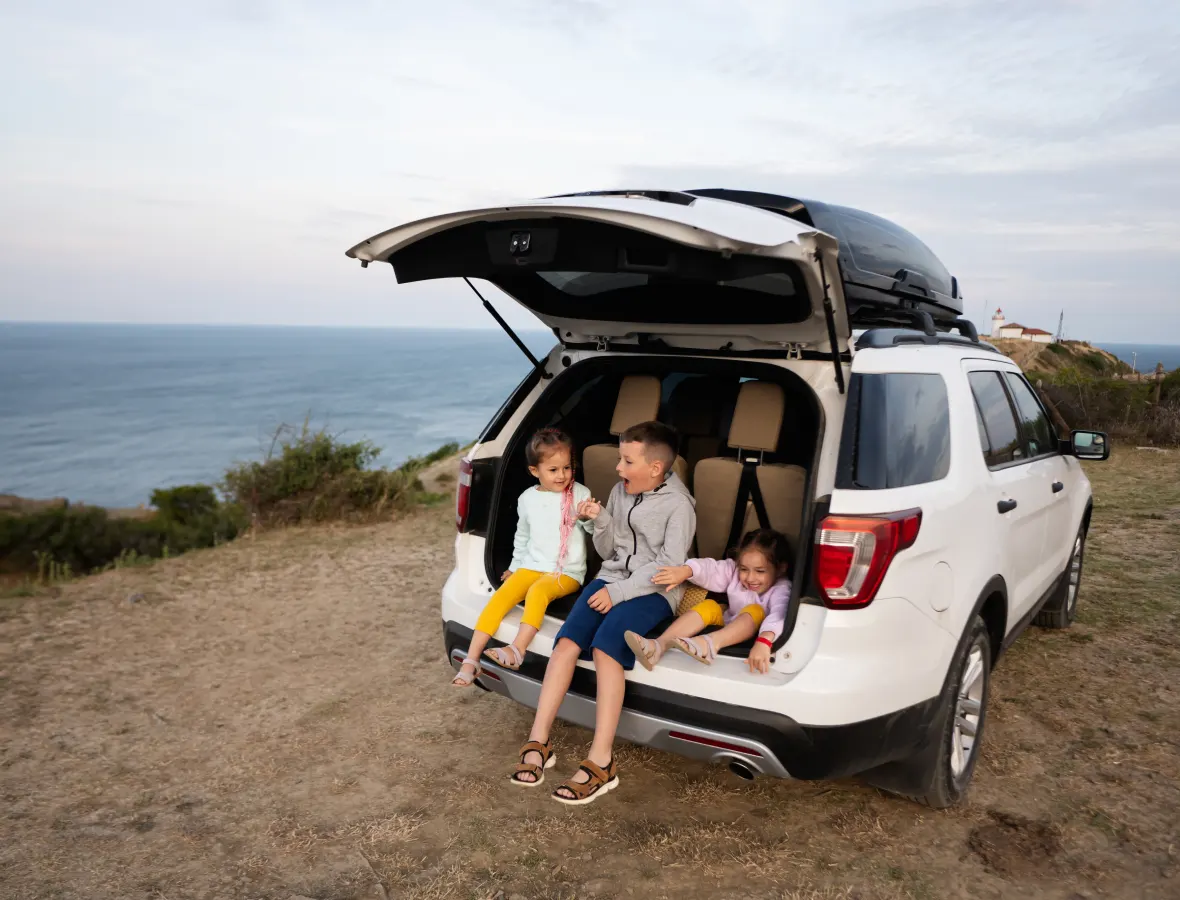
(1005, 506)
(1058, 487)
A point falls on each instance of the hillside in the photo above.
(1050, 359)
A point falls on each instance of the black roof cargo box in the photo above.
(882, 265)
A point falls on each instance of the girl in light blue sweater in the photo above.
(548, 558)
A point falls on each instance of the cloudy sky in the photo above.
(211, 161)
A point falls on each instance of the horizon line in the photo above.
(489, 327)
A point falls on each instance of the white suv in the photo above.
(933, 510)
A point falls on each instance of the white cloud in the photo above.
(238, 149)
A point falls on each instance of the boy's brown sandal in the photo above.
(538, 772)
(600, 782)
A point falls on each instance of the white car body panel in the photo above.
(715, 225)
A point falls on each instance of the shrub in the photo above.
(1170, 388)
(313, 476)
(186, 504)
(1095, 360)
(84, 538)
(1124, 409)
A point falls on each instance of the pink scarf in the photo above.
(568, 519)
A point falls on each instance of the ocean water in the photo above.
(1145, 356)
(104, 414)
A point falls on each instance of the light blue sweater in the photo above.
(538, 534)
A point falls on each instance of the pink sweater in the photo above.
(722, 575)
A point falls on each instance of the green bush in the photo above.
(1170, 388)
(1095, 361)
(306, 477)
(187, 504)
(313, 476)
(85, 538)
(1122, 408)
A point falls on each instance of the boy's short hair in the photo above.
(660, 442)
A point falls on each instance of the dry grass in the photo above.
(282, 726)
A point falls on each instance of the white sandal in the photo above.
(461, 680)
(689, 646)
(647, 651)
(499, 655)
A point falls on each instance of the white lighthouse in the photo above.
(997, 322)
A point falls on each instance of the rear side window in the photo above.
(998, 434)
(1039, 435)
(896, 432)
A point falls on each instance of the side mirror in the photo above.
(1090, 445)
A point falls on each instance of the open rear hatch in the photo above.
(688, 271)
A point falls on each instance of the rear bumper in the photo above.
(767, 742)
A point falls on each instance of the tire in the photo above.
(1062, 607)
(939, 774)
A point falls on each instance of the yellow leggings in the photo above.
(536, 589)
(713, 614)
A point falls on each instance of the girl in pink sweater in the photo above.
(756, 584)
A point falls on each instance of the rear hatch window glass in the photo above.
(896, 432)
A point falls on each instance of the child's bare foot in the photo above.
(647, 651)
(468, 672)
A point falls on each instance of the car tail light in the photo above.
(853, 554)
(463, 494)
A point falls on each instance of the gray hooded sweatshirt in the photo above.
(637, 534)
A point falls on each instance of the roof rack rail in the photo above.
(879, 338)
(920, 318)
(967, 329)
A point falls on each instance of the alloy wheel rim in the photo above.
(968, 711)
(1075, 573)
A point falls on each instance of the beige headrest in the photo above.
(758, 417)
(639, 401)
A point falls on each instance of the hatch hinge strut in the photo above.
(537, 364)
(830, 316)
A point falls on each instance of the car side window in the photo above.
(1039, 435)
(1003, 443)
(984, 444)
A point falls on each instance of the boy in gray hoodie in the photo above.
(648, 523)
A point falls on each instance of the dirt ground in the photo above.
(272, 719)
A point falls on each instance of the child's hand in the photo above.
(672, 576)
(759, 658)
(601, 601)
(507, 574)
(589, 509)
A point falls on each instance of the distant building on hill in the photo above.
(1013, 331)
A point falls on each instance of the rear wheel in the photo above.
(939, 774)
(1061, 609)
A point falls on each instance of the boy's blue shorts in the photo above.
(591, 630)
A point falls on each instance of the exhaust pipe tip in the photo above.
(741, 770)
